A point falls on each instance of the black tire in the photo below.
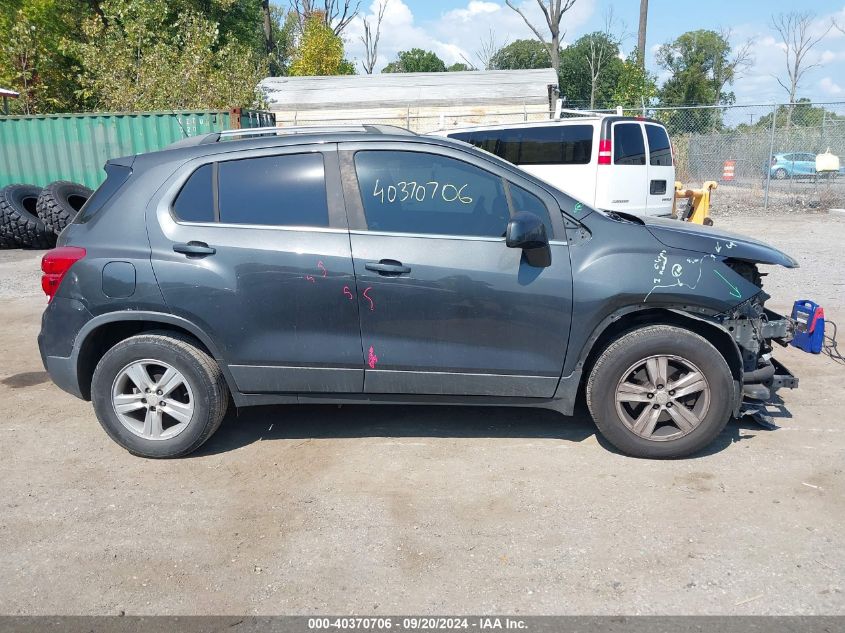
(780, 173)
(200, 370)
(7, 242)
(18, 219)
(644, 343)
(59, 203)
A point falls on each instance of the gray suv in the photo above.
(367, 264)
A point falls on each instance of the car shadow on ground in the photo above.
(285, 422)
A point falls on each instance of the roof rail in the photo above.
(584, 113)
(559, 109)
(215, 137)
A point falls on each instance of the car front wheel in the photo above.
(660, 392)
(159, 395)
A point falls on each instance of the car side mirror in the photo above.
(527, 231)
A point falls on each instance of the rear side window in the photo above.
(116, 176)
(195, 202)
(549, 145)
(628, 144)
(659, 149)
(288, 190)
(556, 145)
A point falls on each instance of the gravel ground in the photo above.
(381, 510)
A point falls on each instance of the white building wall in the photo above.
(418, 119)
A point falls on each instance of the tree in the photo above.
(458, 67)
(553, 11)
(336, 14)
(370, 39)
(285, 30)
(728, 69)
(521, 54)
(804, 114)
(320, 51)
(634, 84)
(698, 63)
(488, 47)
(65, 55)
(416, 60)
(602, 55)
(136, 56)
(795, 32)
(589, 70)
(32, 60)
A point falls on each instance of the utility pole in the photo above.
(641, 32)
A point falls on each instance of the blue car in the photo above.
(795, 165)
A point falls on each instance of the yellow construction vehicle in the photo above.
(698, 210)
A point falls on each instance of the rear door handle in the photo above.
(388, 267)
(199, 249)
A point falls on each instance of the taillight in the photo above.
(604, 151)
(55, 265)
(774, 161)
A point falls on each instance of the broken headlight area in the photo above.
(755, 329)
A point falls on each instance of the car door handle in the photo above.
(194, 248)
(388, 267)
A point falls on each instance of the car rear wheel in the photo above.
(780, 173)
(660, 392)
(159, 395)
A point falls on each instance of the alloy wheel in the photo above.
(662, 397)
(152, 399)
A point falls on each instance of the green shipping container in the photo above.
(38, 150)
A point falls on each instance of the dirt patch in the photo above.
(374, 510)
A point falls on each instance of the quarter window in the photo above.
(195, 202)
(287, 190)
(628, 144)
(414, 192)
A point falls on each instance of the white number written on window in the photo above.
(420, 192)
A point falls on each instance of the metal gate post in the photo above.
(771, 153)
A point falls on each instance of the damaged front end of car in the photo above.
(755, 329)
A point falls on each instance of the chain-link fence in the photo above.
(762, 156)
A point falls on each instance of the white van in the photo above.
(611, 162)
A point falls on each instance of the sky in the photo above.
(454, 30)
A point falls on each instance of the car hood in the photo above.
(708, 239)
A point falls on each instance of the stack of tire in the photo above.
(32, 217)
